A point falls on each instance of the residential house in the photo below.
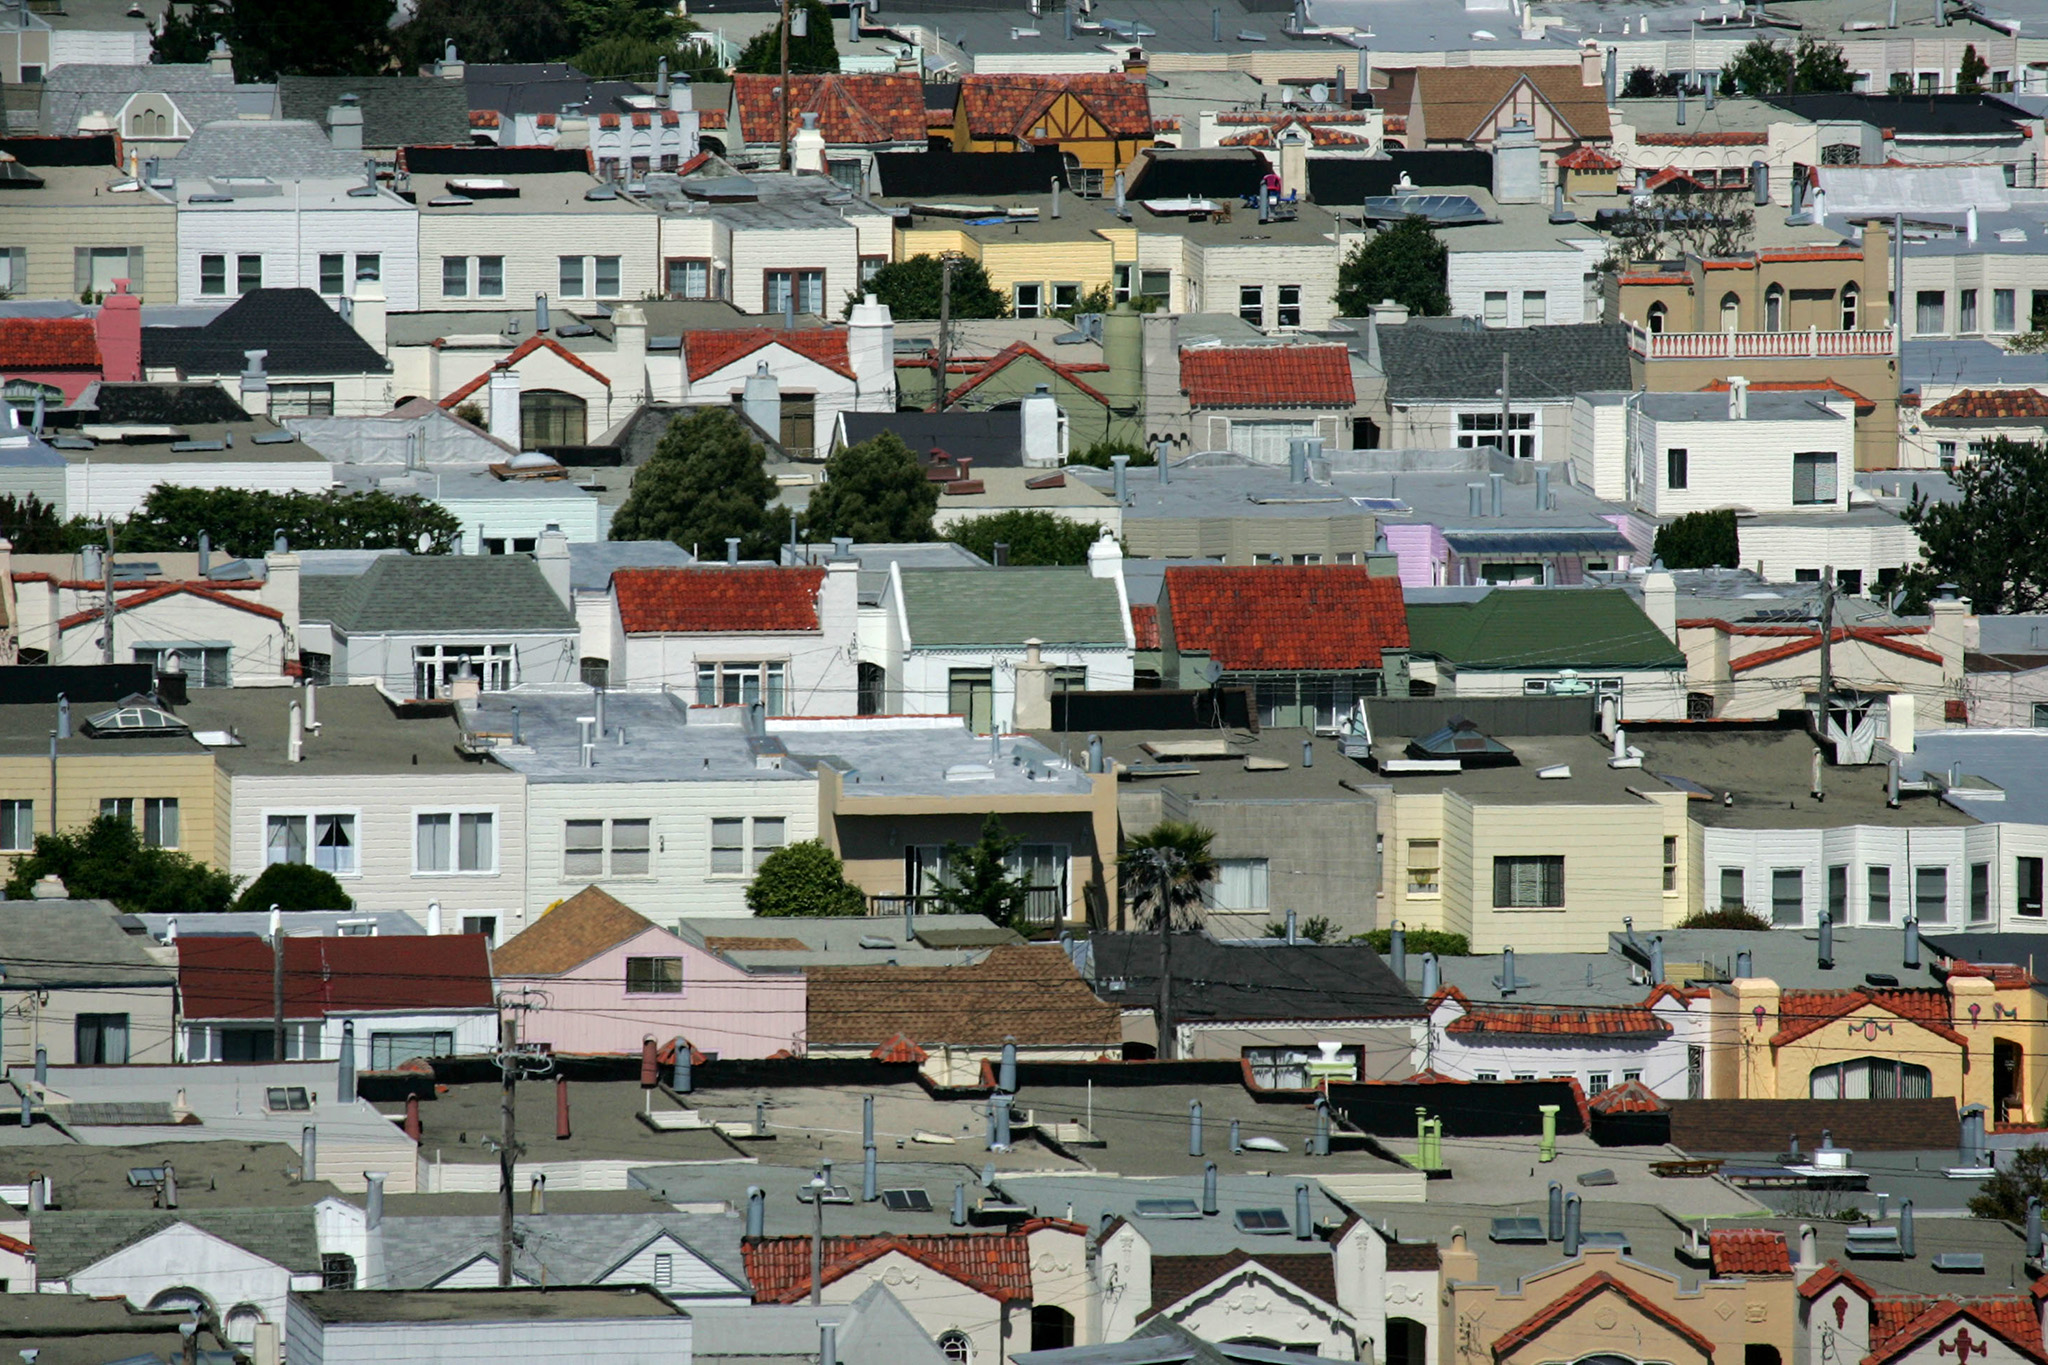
(1971, 769)
(591, 565)
(783, 637)
(1957, 429)
(1310, 641)
(1444, 384)
(966, 492)
(1716, 146)
(285, 352)
(1100, 120)
(1973, 264)
(1098, 401)
(77, 222)
(153, 107)
(379, 996)
(837, 123)
(508, 506)
(79, 990)
(691, 1257)
(1224, 508)
(1257, 400)
(817, 374)
(801, 942)
(646, 137)
(50, 1319)
(1471, 106)
(396, 111)
(875, 1326)
(1914, 1327)
(47, 359)
(1862, 129)
(2004, 686)
(1521, 268)
(1509, 643)
(1335, 130)
(539, 394)
(953, 640)
(636, 1323)
(425, 626)
(608, 977)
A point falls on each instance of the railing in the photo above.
(1044, 905)
(1809, 344)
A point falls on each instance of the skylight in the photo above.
(1168, 1208)
(136, 720)
(1264, 1222)
(907, 1201)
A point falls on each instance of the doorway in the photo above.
(2007, 1098)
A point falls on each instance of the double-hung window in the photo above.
(1788, 895)
(490, 277)
(1813, 478)
(807, 287)
(1930, 894)
(333, 272)
(570, 277)
(1251, 304)
(1528, 882)
(18, 826)
(213, 275)
(455, 841)
(455, 277)
(326, 840)
(689, 278)
(1677, 467)
(248, 273)
(160, 821)
(585, 847)
(654, 976)
(1287, 312)
(743, 684)
(607, 275)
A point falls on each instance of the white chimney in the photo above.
(551, 552)
(295, 739)
(871, 352)
(368, 314)
(761, 401)
(807, 147)
(434, 918)
(1970, 224)
(504, 408)
(1738, 398)
(629, 348)
(1660, 602)
(1045, 430)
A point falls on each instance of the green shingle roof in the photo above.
(1061, 606)
(432, 594)
(1553, 628)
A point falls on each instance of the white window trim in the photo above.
(308, 813)
(656, 847)
(497, 839)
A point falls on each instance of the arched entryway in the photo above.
(1407, 1342)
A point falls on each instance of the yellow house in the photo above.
(1101, 120)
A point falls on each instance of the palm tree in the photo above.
(1166, 872)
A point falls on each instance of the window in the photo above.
(1852, 299)
(1731, 313)
(1528, 883)
(1929, 306)
(248, 274)
(689, 278)
(1069, 678)
(1026, 299)
(97, 267)
(1870, 1078)
(728, 847)
(664, 1269)
(337, 1270)
(1813, 478)
(2037, 310)
(607, 277)
(333, 270)
(1850, 581)
(102, 1039)
(769, 835)
(1670, 862)
(1838, 894)
(1966, 311)
(1288, 311)
(632, 848)
(1788, 896)
(654, 976)
(957, 1349)
(1930, 894)
(1041, 867)
(1880, 909)
(1477, 429)
(550, 417)
(455, 277)
(490, 277)
(971, 692)
(1496, 308)
(743, 684)
(1655, 317)
(160, 821)
(1596, 1082)
(1628, 1076)
(1980, 892)
(1535, 308)
(1066, 298)
(213, 275)
(332, 846)
(870, 266)
(455, 841)
(120, 808)
(583, 848)
(2003, 314)
(388, 1050)
(487, 925)
(1251, 304)
(2026, 876)
(1241, 885)
(1733, 896)
(1425, 863)
(1487, 1076)
(300, 400)
(1945, 452)
(809, 287)
(570, 277)
(369, 265)
(1286, 1068)
(436, 667)
(1675, 467)
(18, 825)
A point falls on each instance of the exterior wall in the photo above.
(533, 245)
(1780, 552)
(1660, 1063)
(1255, 1302)
(82, 781)
(608, 400)
(823, 670)
(50, 232)
(1745, 463)
(704, 237)
(115, 488)
(1646, 694)
(1434, 426)
(183, 1257)
(557, 1341)
(580, 519)
(918, 678)
(49, 1020)
(1781, 146)
(1950, 273)
(540, 658)
(292, 238)
(721, 1008)
(1759, 693)
(1388, 1047)
(939, 1303)
(1060, 1279)
(1558, 274)
(1903, 849)
(756, 251)
(2002, 700)
(1239, 540)
(1219, 271)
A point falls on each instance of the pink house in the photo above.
(613, 977)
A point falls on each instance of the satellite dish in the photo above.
(1213, 671)
(425, 542)
(1319, 93)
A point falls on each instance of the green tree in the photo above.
(1096, 456)
(629, 58)
(245, 522)
(805, 878)
(875, 492)
(1899, 83)
(1314, 929)
(294, 886)
(34, 528)
(593, 21)
(978, 879)
(1418, 941)
(810, 53)
(1698, 540)
(1405, 263)
(269, 39)
(484, 31)
(708, 480)
(1763, 67)
(1166, 872)
(108, 860)
(1992, 542)
(2004, 1196)
(1033, 537)
(1727, 917)
(1101, 300)
(1971, 72)
(911, 289)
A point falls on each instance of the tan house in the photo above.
(72, 229)
(1101, 120)
(1469, 106)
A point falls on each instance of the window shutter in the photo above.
(1553, 881)
(135, 270)
(1503, 882)
(81, 269)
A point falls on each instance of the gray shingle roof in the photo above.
(572, 1248)
(300, 332)
(1060, 606)
(73, 943)
(76, 89)
(436, 593)
(398, 111)
(282, 150)
(67, 1243)
(1426, 363)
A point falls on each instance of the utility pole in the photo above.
(276, 986)
(1827, 657)
(508, 1155)
(818, 1187)
(1507, 441)
(107, 608)
(1164, 866)
(784, 159)
(945, 328)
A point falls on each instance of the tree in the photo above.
(1097, 456)
(1727, 917)
(2004, 1196)
(1699, 540)
(911, 289)
(708, 480)
(1315, 929)
(1033, 537)
(809, 53)
(978, 879)
(484, 31)
(1971, 72)
(34, 529)
(1405, 263)
(1992, 542)
(1899, 83)
(1166, 873)
(268, 39)
(1439, 941)
(875, 492)
(1685, 219)
(804, 879)
(294, 886)
(626, 57)
(1101, 300)
(245, 522)
(1764, 68)
(108, 860)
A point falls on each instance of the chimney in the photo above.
(1809, 1249)
(1613, 75)
(1738, 398)
(1760, 183)
(221, 61)
(1033, 712)
(433, 919)
(1543, 488)
(551, 552)
(171, 1184)
(761, 401)
(503, 412)
(537, 1199)
(1297, 460)
(1475, 500)
(828, 1342)
(451, 65)
(1121, 464)
(345, 124)
(294, 739)
(1912, 928)
(373, 1201)
(118, 329)
(309, 1153)
(1681, 104)
(1293, 158)
(1906, 1228)
(1044, 430)
(807, 147)
(1744, 968)
(540, 314)
(1209, 1205)
(1826, 955)
(1571, 1225)
(1304, 1228)
(345, 1067)
(1660, 602)
(1517, 165)
(1055, 196)
(1498, 494)
(368, 314)
(255, 383)
(871, 347)
(757, 1212)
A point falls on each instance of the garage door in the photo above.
(1266, 442)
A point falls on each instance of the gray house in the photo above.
(80, 987)
(421, 624)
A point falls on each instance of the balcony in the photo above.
(1045, 905)
(1811, 344)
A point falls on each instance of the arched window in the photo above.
(1052, 1328)
(1774, 309)
(181, 1300)
(956, 1347)
(549, 417)
(242, 1321)
(1870, 1078)
(1731, 313)
(1658, 312)
(1852, 298)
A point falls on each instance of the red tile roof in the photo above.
(1577, 1297)
(1881, 637)
(1804, 1012)
(1559, 1021)
(852, 110)
(1018, 350)
(1588, 158)
(1145, 625)
(1318, 135)
(901, 1050)
(1905, 1321)
(229, 976)
(157, 592)
(2006, 976)
(1749, 1251)
(997, 1264)
(1630, 1097)
(1257, 117)
(519, 353)
(1011, 106)
(1830, 1275)
(1970, 405)
(718, 600)
(483, 118)
(1795, 386)
(1267, 376)
(711, 120)
(1286, 618)
(48, 344)
(711, 351)
(1812, 254)
(1702, 139)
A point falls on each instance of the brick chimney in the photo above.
(118, 329)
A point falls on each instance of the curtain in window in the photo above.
(285, 840)
(1241, 884)
(334, 843)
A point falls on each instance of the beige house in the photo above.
(79, 990)
(73, 229)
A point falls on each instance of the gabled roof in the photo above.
(1806, 638)
(718, 600)
(1321, 618)
(1903, 1323)
(398, 111)
(1981, 405)
(1558, 1021)
(997, 1264)
(436, 594)
(1458, 101)
(566, 937)
(1010, 106)
(1031, 993)
(1630, 1097)
(1227, 981)
(1267, 376)
(157, 592)
(1804, 1012)
(69, 1241)
(852, 110)
(1020, 350)
(1577, 1297)
(517, 354)
(711, 351)
(48, 344)
(302, 335)
(1748, 1251)
(1145, 624)
(1174, 1278)
(1426, 363)
(1588, 158)
(59, 944)
(1597, 628)
(229, 977)
(1002, 609)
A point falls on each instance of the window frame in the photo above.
(657, 975)
(570, 277)
(338, 262)
(1783, 878)
(311, 816)
(455, 815)
(1550, 893)
(245, 282)
(154, 809)
(673, 264)
(490, 277)
(217, 273)
(1878, 892)
(1287, 305)
(2028, 875)
(1677, 468)
(1923, 901)
(455, 270)
(17, 818)
(1807, 467)
(1433, 889)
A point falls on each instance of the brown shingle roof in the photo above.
(1709, 1126)
(570, 935)
(1983, 405)
(1176, 1277)
(1457, 100)
(1031, 993)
